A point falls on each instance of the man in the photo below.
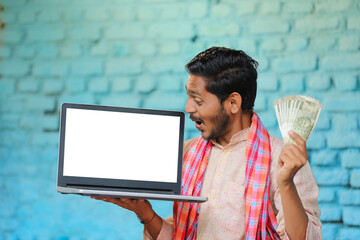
(257, 188)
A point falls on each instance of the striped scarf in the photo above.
(260, 218)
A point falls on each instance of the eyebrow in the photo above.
(192, 92)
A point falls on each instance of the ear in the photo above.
(235, 101)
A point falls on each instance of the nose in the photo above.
(189, 107)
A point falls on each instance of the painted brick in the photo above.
(45, 34)
(344, 122)
(331, 177)
(7, 86)
(272, 45)
(87, 67)
(123, 66)
(123, 84)
(176, 11)
(124, 13)
(197, 10)
(260, 103)
(349, 43)
(324, 158)
(341, 61)
(52, 86)
(247, 45)
(166, 101)
(121, 49)
(145, 84)
(270, 7)
(148, 13)
(41, 103)
(349, 197)
(50, 69)
(318, 81)
(264, 64)
(26, 52)
(48, 51)
(14, 68)
(330, 213)
(342, 140)
(5, 52)
(100, 49)
(125, 31)
(11, 36)
(27, 16)
(84, 33)
(168, 48)
(329, 230)
(332, 6)
(327, 195)
(323, 122)
(97, 14)
(28, 85)
(84, 98)
(353, 23)
(344, 102)
(123, 100)
(316, 23)
(268, 82)
(8, 17)
(220, 10)
(45, 139)
(170, 83)
(245, 8)
(355, 179)
(323, 43)
(73, 15)
(99, 85)
(218, 30)
(50, 123)
(266, 26)
(165, 65)
(349, 233)
(345, 81)
(171, 30)
(295, 63)
(145, 49)
(75, 85)
(350, 158)
(297, 44)
(70, 51)
(297, 7)
(317, 140)
(292, 82)
(49, 16)
(351, 216)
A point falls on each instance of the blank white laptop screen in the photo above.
(118, 145)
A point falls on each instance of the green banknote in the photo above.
(298, 113)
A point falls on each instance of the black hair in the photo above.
(227, 71)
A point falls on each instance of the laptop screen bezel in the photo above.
(118, 184)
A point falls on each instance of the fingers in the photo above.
(294, 156)
(298, 139)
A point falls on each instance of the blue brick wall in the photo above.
(132, 53)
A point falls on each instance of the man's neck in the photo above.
(235, 126)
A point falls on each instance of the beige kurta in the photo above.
(223, 215)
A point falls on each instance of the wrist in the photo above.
(146, 216)
(285, 184)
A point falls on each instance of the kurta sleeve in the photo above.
(309, 192)
(166, 231)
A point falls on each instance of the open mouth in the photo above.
(198, 122)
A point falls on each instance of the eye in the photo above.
(198, 101)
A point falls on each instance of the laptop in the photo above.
(121, 152)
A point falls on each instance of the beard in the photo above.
(220, 121)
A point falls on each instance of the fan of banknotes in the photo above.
(298, 113)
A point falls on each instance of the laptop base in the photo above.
(132, 195)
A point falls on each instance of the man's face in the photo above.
(205, 109)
